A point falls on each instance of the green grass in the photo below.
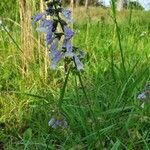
(28, 102)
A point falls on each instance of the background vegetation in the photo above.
(29, 89)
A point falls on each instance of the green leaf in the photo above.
(27, 134)
(116, 145)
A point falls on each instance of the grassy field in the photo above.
(116, 69)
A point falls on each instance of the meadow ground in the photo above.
(116, 69)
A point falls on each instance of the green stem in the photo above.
(76, 89)
(62, 93)
(83, 89)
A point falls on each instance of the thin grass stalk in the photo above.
(18, 47)
(42, 6)
(72, 10)
(118, 36)
(15, 43)
(130, 15)
(39, 55)
(87, 32)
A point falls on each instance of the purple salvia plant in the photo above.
(68, 33)
(59, 45)
(49, 38)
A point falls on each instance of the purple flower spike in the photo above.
(46, 23)
(54, 45)
(37, 17)
(42, 29)
(68, 33)
(49, 38)
(45, 26)
(79, 65)
(67, 14)
(55, 56)
(68, 46)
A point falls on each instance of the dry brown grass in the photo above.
(26, 39)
